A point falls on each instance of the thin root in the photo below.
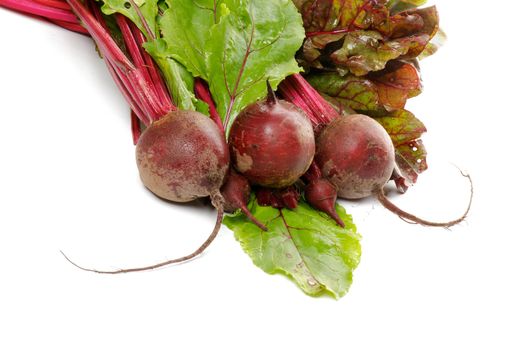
(410, 218)
(200, 250)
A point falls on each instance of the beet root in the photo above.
(272, 143)
(322, 195)
(183, 156)
(355, 154)
(236, 191)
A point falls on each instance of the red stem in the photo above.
(50, 15)
(123, 82)
(160, 105)
(38, 9)
(130, 43)
(137, 84)
(153, 71)
(138, 111)
(203, 93)
(102, 38)
(55, 3)
(136, 127)
(298, 91)
(70, 26)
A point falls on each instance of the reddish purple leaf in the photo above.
(396, 84)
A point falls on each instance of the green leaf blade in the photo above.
(303, 244)
(254, 42)
(185, 27)
(179, 80)
(148, 9)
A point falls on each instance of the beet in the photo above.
(236, 191)
(356, 154)
(322, 195)
(183, 156)
(272, 143)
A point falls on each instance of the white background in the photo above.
(68, 182)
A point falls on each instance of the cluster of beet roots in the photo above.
(280, 149)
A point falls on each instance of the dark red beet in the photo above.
(183, 156)
(322, 195)
(236, 191)
(272, 143)
(356, 154)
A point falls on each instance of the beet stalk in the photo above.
(55, 11)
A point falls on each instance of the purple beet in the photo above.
(236, 191)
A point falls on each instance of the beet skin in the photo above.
(272, 143)
(356, 154)
(183, 156)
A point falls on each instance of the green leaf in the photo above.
(235, 45)
(186, 26)
(147, 8)
(304, 244)
(253, 42)
(179, 81)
